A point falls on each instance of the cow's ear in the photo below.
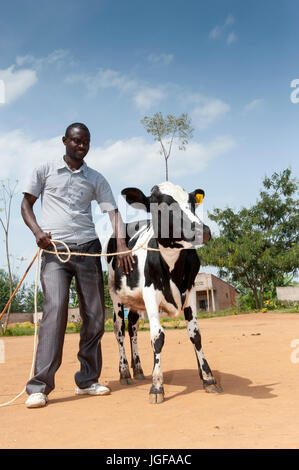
(136, 198)
(197, 196)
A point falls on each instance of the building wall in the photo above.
(73, 316)
(224, 294)
(288, 294)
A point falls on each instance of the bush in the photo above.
(74, 327)
(20, 329)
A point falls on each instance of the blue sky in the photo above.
(228, 64)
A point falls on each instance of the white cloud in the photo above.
(254, 104)
(132, 160)
(136, 160)
(2, 92)
(163, 59)
(57, 56)
(215, 32)
(22, 153)
(219, 30)
(229, 20)
(17, 82)
(232, 37)
(104, 78)
(148, 97)
(143, 96)
(20, 77)
(206, 110)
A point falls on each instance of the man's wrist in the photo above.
(121, 242)
(36, 231)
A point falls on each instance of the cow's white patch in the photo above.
(180, 196)
(178, 193)
(170, 255)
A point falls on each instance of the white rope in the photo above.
(35, 334)
(68, 253)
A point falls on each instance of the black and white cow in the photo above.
(162, 279)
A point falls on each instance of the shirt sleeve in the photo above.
(104, 196)
(35, 182)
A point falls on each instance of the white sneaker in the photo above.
(36, 400)
(94, 389)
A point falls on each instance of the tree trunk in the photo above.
(166, 169)
(252, 286)
(262, 296)
(255, 295)
(10, 283)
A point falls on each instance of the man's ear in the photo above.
(197, 196)
(136, 199)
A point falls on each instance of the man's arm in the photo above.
(42, 238)
(125, 261)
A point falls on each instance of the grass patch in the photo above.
(19, 329)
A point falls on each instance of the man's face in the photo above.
(77, 143)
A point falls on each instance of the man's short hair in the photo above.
(76, 125)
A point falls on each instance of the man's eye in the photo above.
(77, 142)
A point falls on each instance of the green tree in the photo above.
(73, 300)
(108, 301)
(74, 297)
(168, 130)
(258, 246)
(17, 304)
(28, 295)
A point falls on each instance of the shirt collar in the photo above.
(61, 163)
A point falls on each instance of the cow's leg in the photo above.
(133, 324)
(157, 340)
(204, 370)
(119, 331)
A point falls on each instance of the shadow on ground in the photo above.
(188, 378)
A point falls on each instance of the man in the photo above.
(67, 186)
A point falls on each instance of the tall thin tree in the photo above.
(167, 131)
(7, 193)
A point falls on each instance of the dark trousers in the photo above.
(56, 278)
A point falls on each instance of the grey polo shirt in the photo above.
(66, 197)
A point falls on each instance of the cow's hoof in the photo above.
(156, 398)
(139, 376)
(213, 388)
(126, 381)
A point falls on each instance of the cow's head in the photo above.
(174, 219)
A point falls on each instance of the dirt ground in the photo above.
(250, 355)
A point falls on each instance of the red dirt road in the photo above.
(250, 356)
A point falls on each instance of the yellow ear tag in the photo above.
(198, 198)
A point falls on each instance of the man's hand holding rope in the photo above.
(125, 261)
